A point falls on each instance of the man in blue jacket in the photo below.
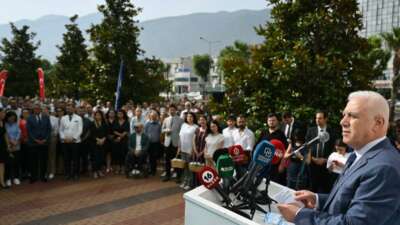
(368, 191)
(39, 130)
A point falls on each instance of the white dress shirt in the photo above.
(244, 138)
(228, 136)
(138, 146)
(71, 128)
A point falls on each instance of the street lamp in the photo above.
(210, 43)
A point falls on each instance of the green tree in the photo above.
(20, 59)
(233, 65)
(202, 65)
(72, 63)
(116, 39)
(393, 42)
(311, 57)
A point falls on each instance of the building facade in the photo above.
(380, 16)
(182, 75)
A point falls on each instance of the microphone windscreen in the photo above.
(323, 137)
(279, 151)
(263, 153)
(225, 166)
(208, 177)
(218, 153)
(237, 154)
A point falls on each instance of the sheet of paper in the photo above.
(286, 195)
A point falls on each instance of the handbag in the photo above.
(178, 162)
(195, 166)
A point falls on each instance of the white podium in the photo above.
(203, 207)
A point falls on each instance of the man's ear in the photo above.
(379, 122)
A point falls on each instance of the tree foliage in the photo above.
(72, 63)
(116, 39)
(311, 58)
(202, 65)
(392, 40)
(20, 59)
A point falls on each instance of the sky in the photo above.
(14, 10)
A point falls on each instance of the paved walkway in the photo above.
(113, 200)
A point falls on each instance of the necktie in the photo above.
(70, 117)
(350, 162)
(38, 119)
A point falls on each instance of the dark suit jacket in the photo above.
(296, 126)
(328, 148)
(38, 131)
(145, 142)
(367, 194)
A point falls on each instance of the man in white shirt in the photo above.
(243, 136)
(70, 136)
(228, 132)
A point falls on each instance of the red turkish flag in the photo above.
(3, 78)
(41, 83)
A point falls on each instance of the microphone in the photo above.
(262, 158)
(210, 179)
(279, 151)
(237, 154)
(218, 153)
(322, 137)
(240, 159)
(225, 169)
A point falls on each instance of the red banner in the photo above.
(41, 83)
(3, 78)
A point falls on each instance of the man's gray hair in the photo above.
(377, 105)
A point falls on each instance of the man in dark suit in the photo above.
(320, 177)
(138, 150)
(367, 192)
(39, 130)
(290, 124)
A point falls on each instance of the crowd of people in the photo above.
(40, 140)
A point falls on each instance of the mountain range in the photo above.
(166, 38)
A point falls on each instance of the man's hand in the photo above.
(288, 211)
(319, 161)
(338, 164)
(308, 198)
(40, 142)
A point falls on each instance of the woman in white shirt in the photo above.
(185, 146)
(214, 141)
(337, 160)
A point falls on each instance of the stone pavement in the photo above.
(112, 200)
